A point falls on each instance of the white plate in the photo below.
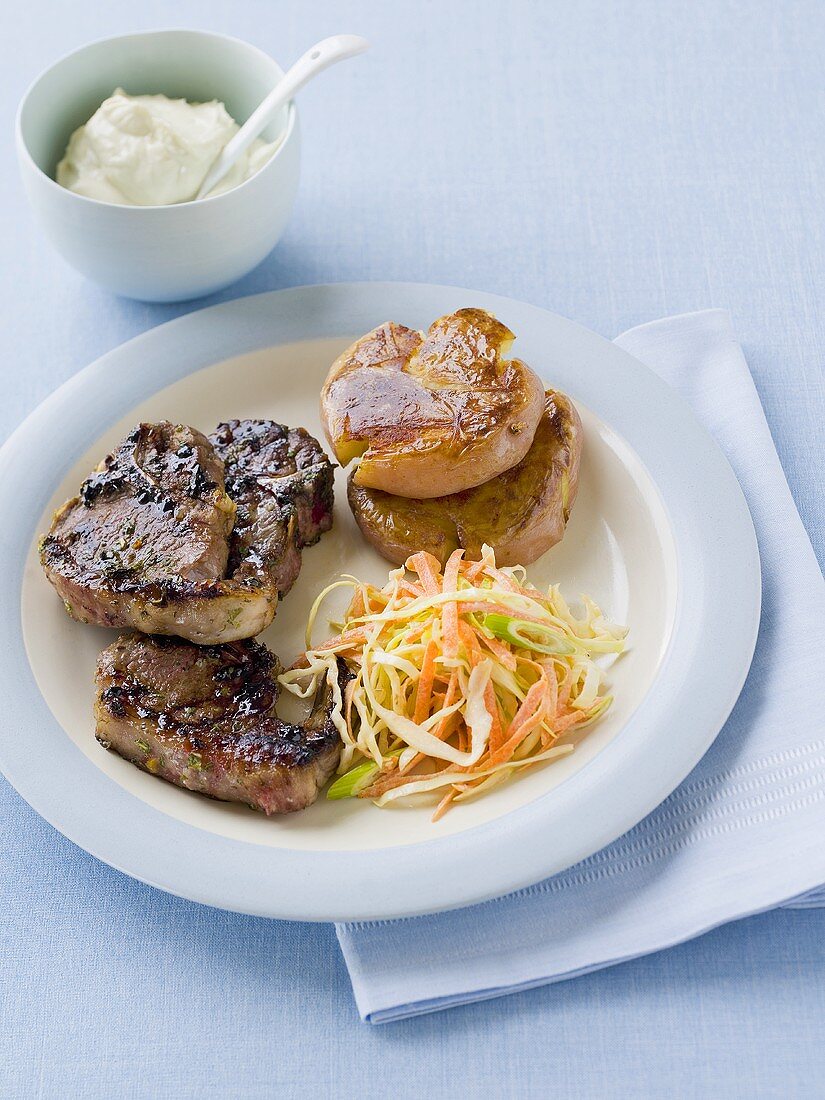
(660, 537)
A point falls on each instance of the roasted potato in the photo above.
(435, 413)
(521, 513)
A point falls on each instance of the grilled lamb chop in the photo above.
(282, 483)
(153, 541)
(203, 717)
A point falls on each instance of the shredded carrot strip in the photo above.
(449, 614)
(426, 566)
(347, 640)
(527, 717)
(505, 582)
(500, 651)
(443, 728)
(565, 687)
(424, 691)
(567, 721)
(450, 697)
(469, 638)
(444, 804)
(474, 570)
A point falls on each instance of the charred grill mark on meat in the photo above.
(177, 534)
(154, 513)
(282, 484)
(203, 718)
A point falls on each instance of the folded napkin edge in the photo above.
(397, 1013)
(677, 319)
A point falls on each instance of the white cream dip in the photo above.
(148, 150)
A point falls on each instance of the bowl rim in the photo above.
(24, 154)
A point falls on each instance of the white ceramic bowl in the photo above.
(158, 253)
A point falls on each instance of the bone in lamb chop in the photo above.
(174, 533)
(203, 717)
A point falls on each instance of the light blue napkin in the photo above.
(746, 830)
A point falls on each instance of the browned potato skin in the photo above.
(435, 413)
(521, 513)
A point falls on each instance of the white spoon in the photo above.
(319, 57)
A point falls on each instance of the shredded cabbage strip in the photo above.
(461, 677)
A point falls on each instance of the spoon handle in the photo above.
(317, 58)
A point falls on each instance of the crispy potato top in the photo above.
(431, 413)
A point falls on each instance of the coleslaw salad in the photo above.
(461, 678)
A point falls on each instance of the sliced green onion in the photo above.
(351, 783)
(356, 779)
(529, 635)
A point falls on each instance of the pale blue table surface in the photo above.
(614, 162)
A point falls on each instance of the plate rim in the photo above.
(444, 872)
